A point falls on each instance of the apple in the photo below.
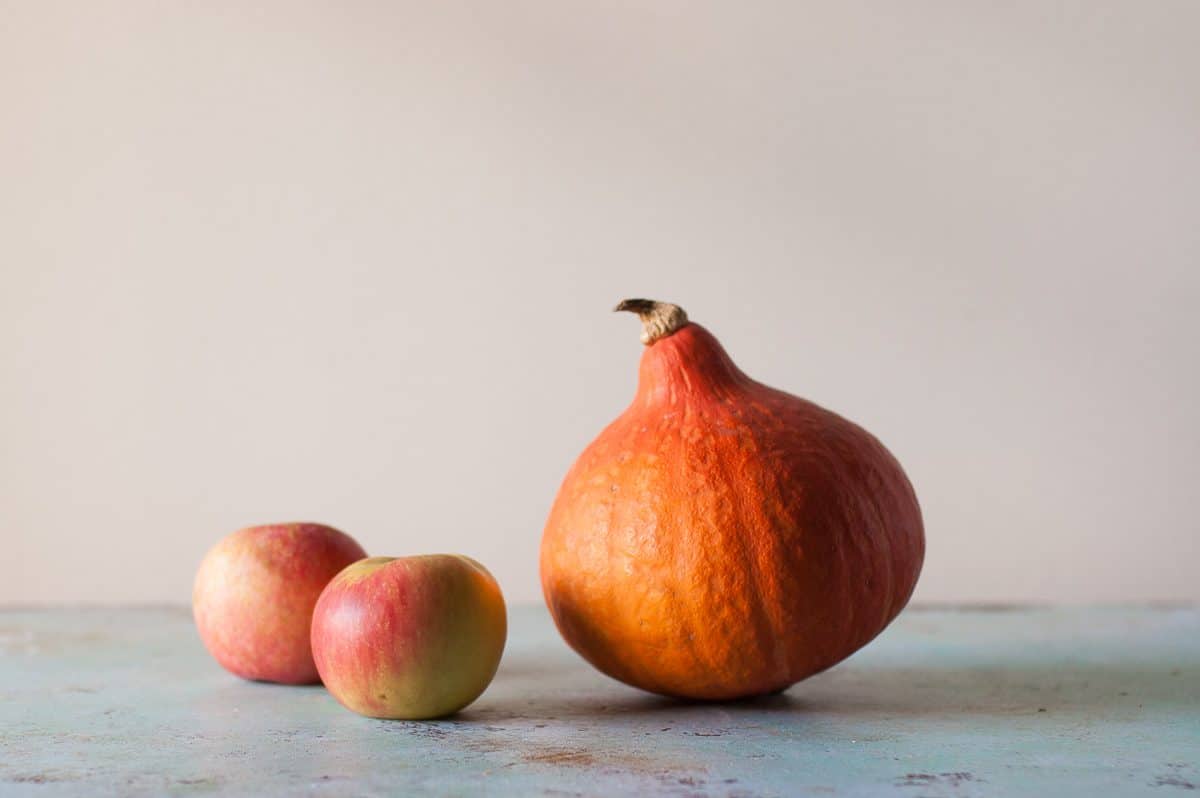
(409, 637)
(254, 595)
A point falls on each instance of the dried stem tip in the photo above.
(659, 319)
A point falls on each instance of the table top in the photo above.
(947, 702)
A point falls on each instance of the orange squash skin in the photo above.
(722, 539)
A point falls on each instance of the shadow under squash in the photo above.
(531, 689)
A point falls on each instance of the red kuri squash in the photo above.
(723, 539)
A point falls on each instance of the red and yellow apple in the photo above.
(254, 595)
(410, 637)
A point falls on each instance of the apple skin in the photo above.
(254, 595)
(411, 637)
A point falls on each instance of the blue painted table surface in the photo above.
(1057, 702)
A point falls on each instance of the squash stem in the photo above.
(659, 319)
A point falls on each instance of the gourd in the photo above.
(722, 539)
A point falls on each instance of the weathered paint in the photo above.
(1063, 702)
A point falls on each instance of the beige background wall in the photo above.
(353, 262)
